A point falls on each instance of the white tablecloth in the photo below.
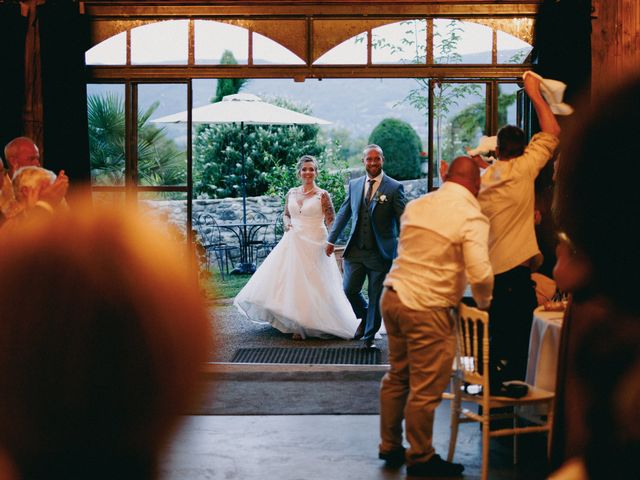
(544, 344)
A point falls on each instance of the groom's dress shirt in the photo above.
(376, 185)
(443, 245)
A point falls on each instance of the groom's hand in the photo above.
(329, 249)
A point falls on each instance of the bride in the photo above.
(298, 288)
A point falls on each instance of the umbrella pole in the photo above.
(245, 266)
(244, 175)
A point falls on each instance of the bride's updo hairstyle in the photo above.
(306, 159)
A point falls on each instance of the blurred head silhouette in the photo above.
(598, 261)
(102, 335)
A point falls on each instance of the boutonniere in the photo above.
(381, 198)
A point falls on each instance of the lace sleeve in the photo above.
(327, 209)
(286, 218)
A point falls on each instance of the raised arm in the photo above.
(546, 117)
(327, 209)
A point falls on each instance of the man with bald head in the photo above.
(21, 152)
(443, 246)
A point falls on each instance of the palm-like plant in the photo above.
(106, 138)
(159, 160)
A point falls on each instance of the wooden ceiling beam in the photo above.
(301, 73)
(316, 9)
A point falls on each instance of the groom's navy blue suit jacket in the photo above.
(385, 209)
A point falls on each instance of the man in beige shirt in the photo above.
(442, 247)
(507, 199)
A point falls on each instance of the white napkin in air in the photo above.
(485, 145)
(553, 92)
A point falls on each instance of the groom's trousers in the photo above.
(421, 351)
(358, 265)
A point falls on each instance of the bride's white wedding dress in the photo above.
(298, 289)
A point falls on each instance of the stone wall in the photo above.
(229, 210)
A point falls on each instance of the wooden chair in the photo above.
(471, 367)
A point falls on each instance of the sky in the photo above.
(166, 42)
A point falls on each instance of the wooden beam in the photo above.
(168, 72)
(318, 8)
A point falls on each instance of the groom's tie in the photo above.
(370, 191)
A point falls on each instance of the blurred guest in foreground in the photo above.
(598, 388)
(102, 335)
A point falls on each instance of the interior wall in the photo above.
(615, 41)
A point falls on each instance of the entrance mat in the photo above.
(309, 356)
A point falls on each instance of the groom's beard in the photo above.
(372, 171)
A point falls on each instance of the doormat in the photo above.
(309, 356)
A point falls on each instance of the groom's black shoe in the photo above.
(360, 330)
(393, 458)
(369, 343)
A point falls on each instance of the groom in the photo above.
(374, 204)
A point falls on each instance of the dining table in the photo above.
(544, 345)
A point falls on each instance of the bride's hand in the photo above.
(329, 249)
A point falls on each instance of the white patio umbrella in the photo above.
(244, 109)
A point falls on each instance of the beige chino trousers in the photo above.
(421, 351)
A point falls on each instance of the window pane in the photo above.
(162, 43)
(350, 52)
(455, 41)
(459, 119)
(507, 110)
(266, 50)
(105, 108)
(170, 215)
(402, 42)
(213, 38)
(112, 51)
(512, 49)
(162, 147)
(111, 199)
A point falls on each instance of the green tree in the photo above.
(228, 86)
(401, 146)
(218, 154)
(159, 160)
(345, 147)
(332, 176)
(469, 123)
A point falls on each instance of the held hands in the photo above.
(329, 249)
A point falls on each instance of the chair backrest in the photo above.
(472, 345)
(278, 228)
(208, 230)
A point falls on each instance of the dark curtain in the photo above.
(64, 38)
(562, 44)
(13, 28)
(562, 51)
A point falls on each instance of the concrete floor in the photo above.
(314, 447)
(259, 445)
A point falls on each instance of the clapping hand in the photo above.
(55, 192)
